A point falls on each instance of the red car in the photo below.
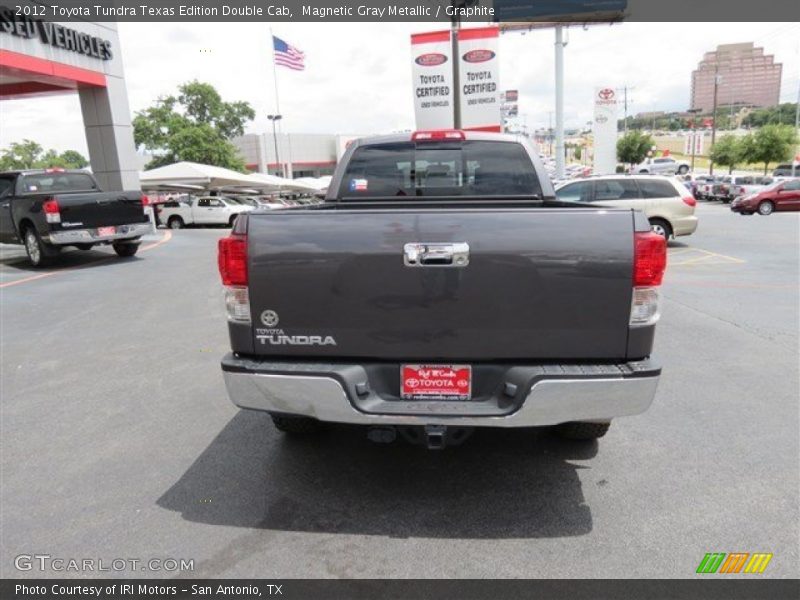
(781, 196)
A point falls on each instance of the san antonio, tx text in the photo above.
(141, 589)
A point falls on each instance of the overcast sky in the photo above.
(358, 76)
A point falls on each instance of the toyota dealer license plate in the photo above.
(106, 230)
(436, 382)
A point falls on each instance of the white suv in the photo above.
(663, 165)
(668, 205)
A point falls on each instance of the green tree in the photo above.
(783, 114)
(632, 148)
(727, 151)
(771, 143)
(194, 125)
(577, 153)
(28, 154)
(74, 160)
(20, 155)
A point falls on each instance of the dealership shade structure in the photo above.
(211, 177)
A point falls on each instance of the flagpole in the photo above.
(275, 82)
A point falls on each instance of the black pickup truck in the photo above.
(48, 209)
(442, 287)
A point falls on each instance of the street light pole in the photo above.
(559, 51)
(714, 120)
(275, 119)
(693, 135)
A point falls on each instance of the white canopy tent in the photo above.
(210, 177)
(189, 173)
(316, 183)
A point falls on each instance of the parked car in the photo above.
(48, 209)
(668, 205)
(702, 185)
(780, 196)
(174, 202)
(705, 186)
(745, 185)
(720, 188)
(662, 165)
(441, 286)
(203, 210)
(785, 170)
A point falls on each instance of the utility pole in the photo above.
(455, 24)
(275, 119)
(714, 118)
(625, 89)
(693, 135)
(559, 51)
(796, 126)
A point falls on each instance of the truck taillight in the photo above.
(649, 264)
(232, 261)
(145, 200)
(649, 259)
(52, 211)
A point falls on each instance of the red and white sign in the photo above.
(693, 143)
(436, 382)
(432, 73)
(479, 79)
(604, 129)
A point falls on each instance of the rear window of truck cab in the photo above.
(55, 182)
(469, 168)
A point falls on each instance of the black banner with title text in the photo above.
(535, 12)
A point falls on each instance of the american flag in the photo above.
(287, 55)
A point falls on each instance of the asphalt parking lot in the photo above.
(118, 440)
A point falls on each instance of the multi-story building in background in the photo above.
(745, 77)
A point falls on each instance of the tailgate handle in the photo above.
(436, 255)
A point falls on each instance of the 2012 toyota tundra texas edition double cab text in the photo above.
(442, 287)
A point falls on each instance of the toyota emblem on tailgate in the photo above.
(269, 318)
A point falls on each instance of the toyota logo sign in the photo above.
(606, 94)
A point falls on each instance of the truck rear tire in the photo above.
(175, 223)
(296, 425)
(125, 250)
(582, 431)
(39, 252)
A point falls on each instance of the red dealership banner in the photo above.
(479, 79)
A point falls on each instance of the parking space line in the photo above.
(704, 258)
(165, 238)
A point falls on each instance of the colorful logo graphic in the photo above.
(432, 59)
(476, 56)
(606, 94)
(735, 562)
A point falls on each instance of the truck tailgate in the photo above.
(540, 284)
(100, 209)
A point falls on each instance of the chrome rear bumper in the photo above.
(91, 236)
(328, 393)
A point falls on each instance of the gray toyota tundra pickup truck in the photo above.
(441, 287)
(48, 209)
